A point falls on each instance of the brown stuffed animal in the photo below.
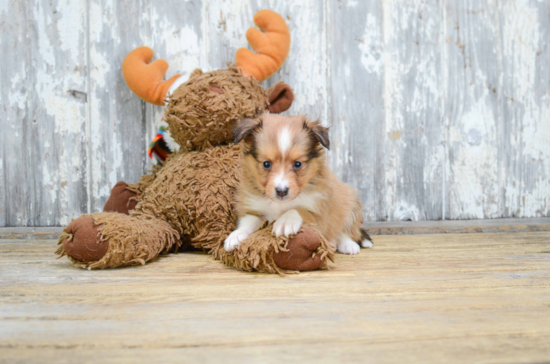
(188, 201)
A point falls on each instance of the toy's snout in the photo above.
(217, 89)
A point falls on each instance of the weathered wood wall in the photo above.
(438, 109)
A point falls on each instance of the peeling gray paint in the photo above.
(437, 109)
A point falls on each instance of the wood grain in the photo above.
(117, 117)
(438, 110)
(525, 130)
(418, 298)
(43, 118)
(414, 138)
(475, 116)
(497, 140)
(356, 99)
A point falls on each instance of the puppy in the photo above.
(285, 178)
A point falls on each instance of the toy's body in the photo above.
(194, 193)
(186, 202)
(189, 200)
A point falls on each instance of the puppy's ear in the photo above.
(318, 131)
(244, 127)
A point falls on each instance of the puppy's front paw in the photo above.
(348, 246)
(234, 239)
(288, 224)
(367, 243)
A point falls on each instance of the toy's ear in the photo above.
(280, 98)
(244, 128)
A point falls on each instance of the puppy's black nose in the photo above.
(281, 192)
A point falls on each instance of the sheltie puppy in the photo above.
(285, 179)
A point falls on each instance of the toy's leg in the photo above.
(122, 200)
(263, 252)
(125, 197)
(305, 251)
(110, 239)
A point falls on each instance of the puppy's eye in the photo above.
(267, 165)
(297, 165)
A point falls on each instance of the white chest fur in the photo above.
(272, 210)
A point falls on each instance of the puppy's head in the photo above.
(282, 154)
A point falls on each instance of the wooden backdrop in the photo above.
(437, 109)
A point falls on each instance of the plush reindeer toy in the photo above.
(189, 200)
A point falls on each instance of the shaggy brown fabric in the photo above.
(194, 192)
(200, 118)
(130, 240)
(139, 188)
(121, 200)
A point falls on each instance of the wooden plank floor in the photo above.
(513, 225)
(413, 298)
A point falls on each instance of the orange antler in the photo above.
(144, 78)
(271, 47)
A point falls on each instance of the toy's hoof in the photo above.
(120, 200)
(300, 251)
(86, 245)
